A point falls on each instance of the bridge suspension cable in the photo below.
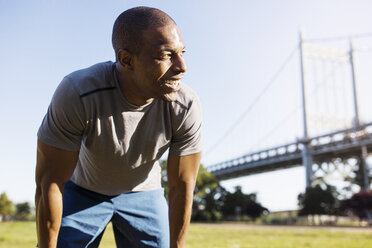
(279, 125)
(328, 76)
(253, 104)
(294, 110)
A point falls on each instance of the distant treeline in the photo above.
(10, 211)
(212, 202)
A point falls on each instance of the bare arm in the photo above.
(53, 169)
(182, 172)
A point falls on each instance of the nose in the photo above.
(179, 64)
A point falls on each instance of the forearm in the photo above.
(48, 202)
(180, 208)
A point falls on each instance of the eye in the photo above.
(164, 56)
(182, 53)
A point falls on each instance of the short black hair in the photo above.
(128, 27)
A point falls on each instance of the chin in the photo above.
(170, 97)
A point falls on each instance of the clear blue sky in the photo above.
(234, 48)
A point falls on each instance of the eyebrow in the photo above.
(167, 49)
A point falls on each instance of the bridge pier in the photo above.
(307, 161)
(364, 165)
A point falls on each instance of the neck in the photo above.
(128, 88)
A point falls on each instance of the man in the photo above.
(100, 141)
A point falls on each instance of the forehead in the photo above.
(158, 38)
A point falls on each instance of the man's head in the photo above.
(130, 25)
(149, 53)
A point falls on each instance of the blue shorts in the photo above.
(139, 219)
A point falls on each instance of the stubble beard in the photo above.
(170, 97)
(170, 90)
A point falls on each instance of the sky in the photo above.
(242, 58)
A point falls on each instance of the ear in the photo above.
(125, 59)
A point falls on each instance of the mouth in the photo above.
(173, 85)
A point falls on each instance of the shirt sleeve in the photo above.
(64, 123)
(186, 138)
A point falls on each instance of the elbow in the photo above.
(183, 190)
(39, 188)
(47, 184)
(42, 183)
(186, 185)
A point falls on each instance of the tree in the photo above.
(255, 210)
(23, 211)
(317, 200)
(360, 204)
(211, 200)
(207, 204)
(205, 182)
(164, 178)
(208, 197)
(6, 207)
(240, 203)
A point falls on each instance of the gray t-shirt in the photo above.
(119, 143)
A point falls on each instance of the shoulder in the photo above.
(186, 107)
(186, 97)
(91, 79)
(186, 120)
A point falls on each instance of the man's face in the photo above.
(159, 66)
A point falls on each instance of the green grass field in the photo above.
(22, 235)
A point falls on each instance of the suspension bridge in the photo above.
(320, 154)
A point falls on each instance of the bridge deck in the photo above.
(341, 144)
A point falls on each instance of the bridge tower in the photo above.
(356, 123)
(306, 152)
(307, 158)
